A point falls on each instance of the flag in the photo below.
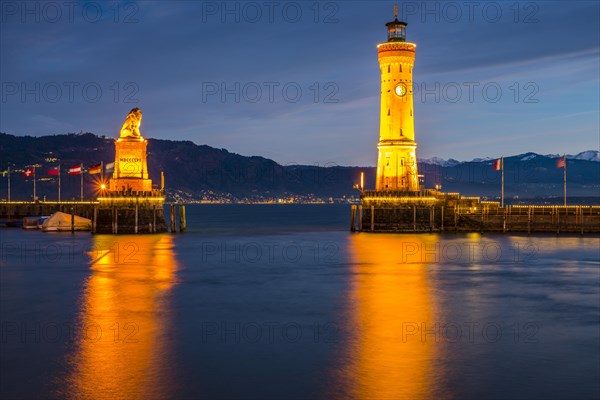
(28, 172)
(96, 169)
(561, 162)
(109, 167)
(76, 169)
(499, 164)
(53, 171)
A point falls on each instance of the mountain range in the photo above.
(196, 172)
(588, 155)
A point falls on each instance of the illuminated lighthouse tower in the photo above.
(397, 161)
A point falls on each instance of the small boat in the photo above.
(31, 222)
(63, 222)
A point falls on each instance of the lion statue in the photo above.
(131, 126)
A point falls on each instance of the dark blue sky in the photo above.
(67, 67)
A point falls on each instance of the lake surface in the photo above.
(281, 301)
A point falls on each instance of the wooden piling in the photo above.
(529, 220)
(135, 227)
(153, 230)
(414, 218)
(359, 217)
(442, 218)
(353, 218)
(182, 221)
(482, 219)
(455, 218)
(172, 209)
(95, 218)
(116, 225)
(372, 218)
(431, 219)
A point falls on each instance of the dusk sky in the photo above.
(71, 67)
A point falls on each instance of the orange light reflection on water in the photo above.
(121, 351)
(391, 302)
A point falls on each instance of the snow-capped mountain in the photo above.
(588, 155)
(439, 161)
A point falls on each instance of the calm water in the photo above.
(283, 302)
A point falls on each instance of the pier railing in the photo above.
(474, 217)
(21, 209)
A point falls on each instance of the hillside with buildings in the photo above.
(203, 173)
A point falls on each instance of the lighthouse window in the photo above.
(388, 69)
(400, 67)
(388, 111)
(411, 112)
(401, 132)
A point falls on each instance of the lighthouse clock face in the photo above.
(400, 90)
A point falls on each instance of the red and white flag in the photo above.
(53, 171)
(76, 169)
(29, 172)
(561, 163)
(499, 164)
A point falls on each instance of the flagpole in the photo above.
(59, 183)
(565, 179)
(9, 183)
(34, 194)
(101, 172)
(502, 162)
(81, 184)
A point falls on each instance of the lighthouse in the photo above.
(396, 161)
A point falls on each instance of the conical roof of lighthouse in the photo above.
(396, 21)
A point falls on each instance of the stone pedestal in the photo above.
(131, 168)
